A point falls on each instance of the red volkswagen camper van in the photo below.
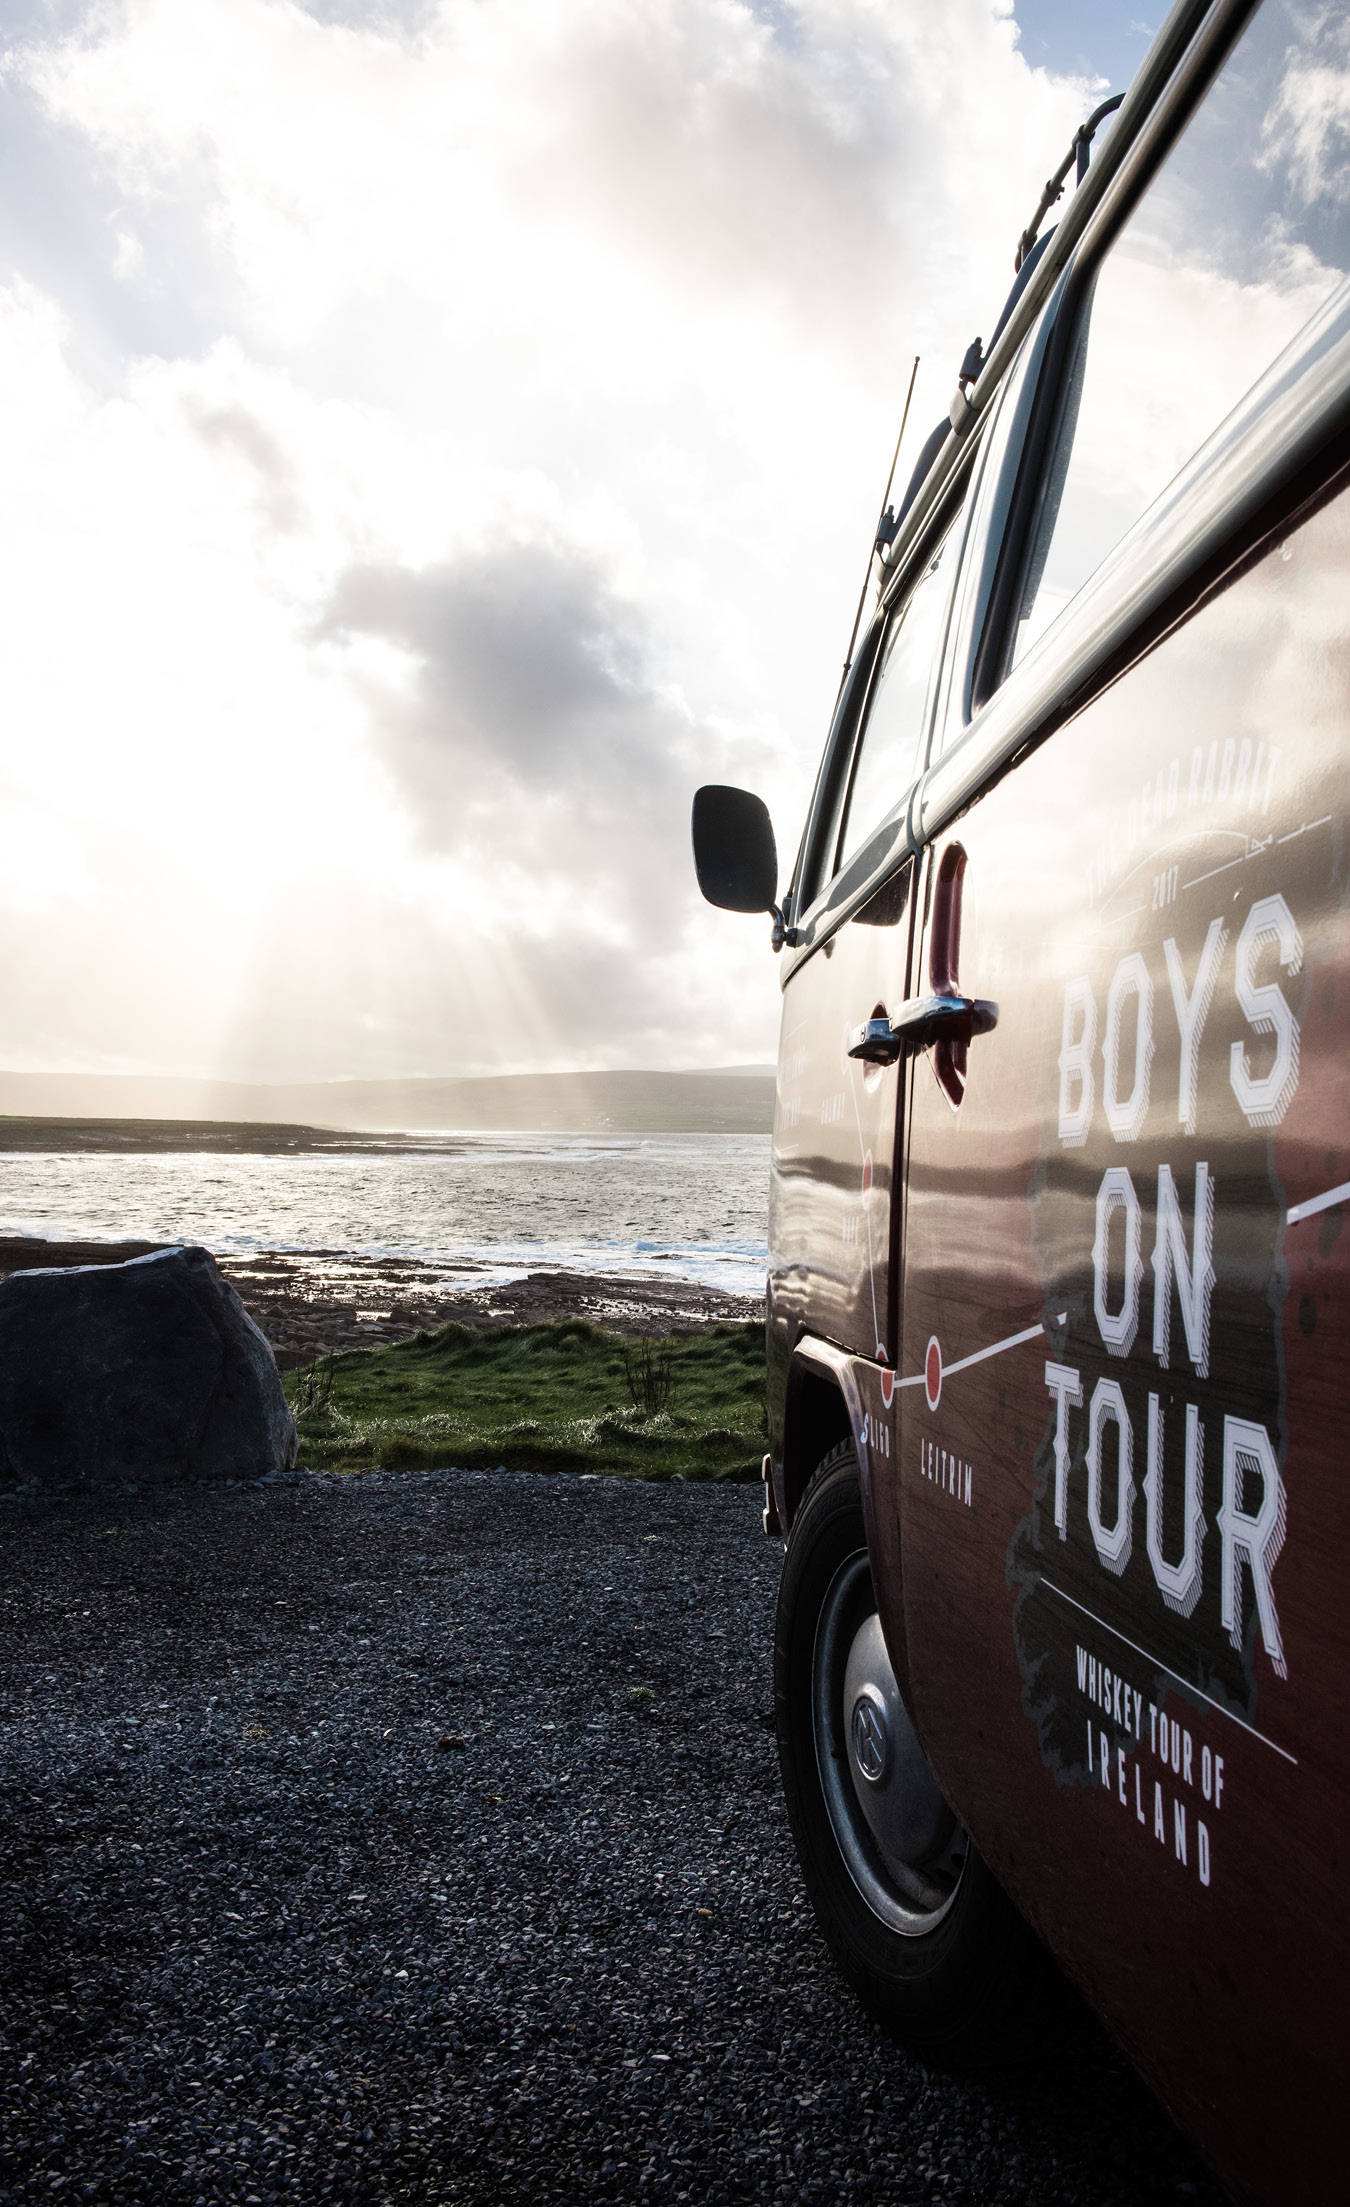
(1059, 1296)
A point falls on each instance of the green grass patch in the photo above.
(556, 1397)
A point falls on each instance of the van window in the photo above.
(1242, 235)
(821, 841)
(889, 750)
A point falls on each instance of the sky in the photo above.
(1093, 42)
(434, 438)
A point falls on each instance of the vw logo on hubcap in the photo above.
(871, 1736)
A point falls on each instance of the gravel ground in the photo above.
(419, 1839)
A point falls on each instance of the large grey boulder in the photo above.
(141, 1373)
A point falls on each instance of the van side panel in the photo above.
(831, 1228)
(1125, 1358)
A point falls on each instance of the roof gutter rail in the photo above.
(1155, 71)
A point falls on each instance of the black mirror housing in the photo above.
(735, 856)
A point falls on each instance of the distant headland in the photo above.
(112, 1111)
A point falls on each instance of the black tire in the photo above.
(945, 1963)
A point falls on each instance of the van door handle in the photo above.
(922, 1020)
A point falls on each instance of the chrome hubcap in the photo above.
(870, 1736)
(902, 1846)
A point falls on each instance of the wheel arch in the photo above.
(823, 1406)
(817, 1414)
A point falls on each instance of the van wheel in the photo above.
(912, 1916)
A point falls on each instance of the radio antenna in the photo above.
(881, 523)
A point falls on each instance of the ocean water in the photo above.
(694, 1206)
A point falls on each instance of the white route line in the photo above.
(1256, 844)
(1316, 1203)
(1014, 1341)
(1306, 828)
(1158, 1664)
(1215, 871)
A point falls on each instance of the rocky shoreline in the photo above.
(310, 1303)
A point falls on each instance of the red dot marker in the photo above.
(932, 1373)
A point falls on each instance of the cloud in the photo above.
(811, 161)
(435, 438)
(1309, 124)
(527, 658)
(529, 681)
(814, 162)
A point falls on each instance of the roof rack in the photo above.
(1078, 153)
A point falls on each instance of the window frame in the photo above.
(1273, 457)
(990, 646)
(810, 870)
(835, 889)
(988, 651)
(991, 514)
(892, 614)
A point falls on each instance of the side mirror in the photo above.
(735, 856)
